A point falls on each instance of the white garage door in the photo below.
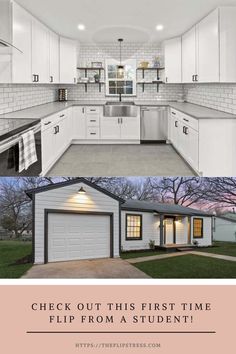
(78, 236)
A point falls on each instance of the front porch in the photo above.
(175, 233)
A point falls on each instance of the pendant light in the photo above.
(121, 67)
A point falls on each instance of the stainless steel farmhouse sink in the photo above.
(120, 109)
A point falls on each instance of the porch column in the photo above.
(161, 230)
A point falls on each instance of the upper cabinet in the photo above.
(173, 69)
(68, 61)
(21, 37)
(40, 52)
(54, 58)
(228, 44)
(189, 56)
(208, 48)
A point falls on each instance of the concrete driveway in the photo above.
(92, 269)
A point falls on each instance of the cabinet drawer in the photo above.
(174, 113)
(93, 133)
(93, 110)
(189, 121)
(93, 120)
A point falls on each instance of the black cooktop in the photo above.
(11, 127)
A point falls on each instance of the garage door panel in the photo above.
(78, 236)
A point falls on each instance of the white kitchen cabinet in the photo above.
(21, 38)
(173, 60)
(56, 137)
(68, 61)
(189, 56)
(228, 44)
(174, 130)
(130, 128)
(110, 128)
(40, 52)
(53, 58)
(208, 48)
(79, 123)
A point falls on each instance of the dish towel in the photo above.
(27, 151)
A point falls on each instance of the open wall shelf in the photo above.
(86, 70)
(154, 82)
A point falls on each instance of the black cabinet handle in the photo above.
(92, 120)
(58, 129)
(63, 115)
(184, 129)
(83, 110)
(37, 78)
(55, 130)
(186, 120)
(176, 124)
(196, 78)
(193, 77)
(51, 78)
(93, 134)
(34, 78)
(47, 123)
(92, 110)
(166, 79)
(174, 114)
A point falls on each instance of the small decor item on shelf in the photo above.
(144, 64)
(156, 62)
(97, 78)
(96, 64)
(91, 79)
(63, 95)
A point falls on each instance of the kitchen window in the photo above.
(197, 228)
(121, 83)
(133, 227)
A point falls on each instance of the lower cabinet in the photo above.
(120, 128)
(56, 137)
(184, 138)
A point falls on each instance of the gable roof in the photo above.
(173, 209)
(48, 187)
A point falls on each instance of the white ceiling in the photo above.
(134, 20)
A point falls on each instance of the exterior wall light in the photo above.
(81, 191)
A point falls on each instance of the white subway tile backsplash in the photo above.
(217, 96)
(16, 97)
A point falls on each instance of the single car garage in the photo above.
(75, 220)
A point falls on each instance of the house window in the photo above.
(198, 228)
(121, 83)
(133, 227)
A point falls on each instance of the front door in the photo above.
(169, 231)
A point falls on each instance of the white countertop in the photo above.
(45, 110)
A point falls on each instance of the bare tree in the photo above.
(221, 190)
(187, 191)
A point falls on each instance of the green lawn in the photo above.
(189, 267)
(128, 255)
(224, 248)
(10, 252)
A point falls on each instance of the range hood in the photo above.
(8, 45)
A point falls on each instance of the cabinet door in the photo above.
(191, 152)
(110, 128)
(49, 148)
(189, 44)
(173, 64)
(174, 130)
(228, 44)
(21, 62)
(40, 51)
(53, 57)
(208, 48)
(130, 128)
(79, 123)
(68, 61)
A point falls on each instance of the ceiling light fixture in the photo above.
(121, 67)
(159, 27)
(81, 27)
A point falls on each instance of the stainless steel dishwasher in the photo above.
(154, 124)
